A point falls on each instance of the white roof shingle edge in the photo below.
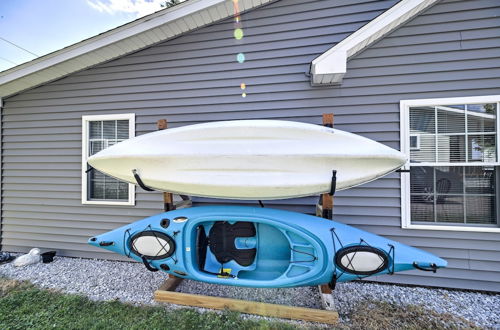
(128, 38)
(330, 67)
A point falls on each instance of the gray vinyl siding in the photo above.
(450, 50)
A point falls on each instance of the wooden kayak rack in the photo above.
(166, 292)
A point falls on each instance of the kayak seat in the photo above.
(222, 238)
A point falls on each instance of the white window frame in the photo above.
(85, 134)
(405, 148)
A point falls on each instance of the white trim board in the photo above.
(131, 132)
(405, 148)
(331, 66)
(141, 33)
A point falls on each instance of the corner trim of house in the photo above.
(405, 148)
(331, 66)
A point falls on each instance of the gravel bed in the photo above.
(130, 282)
(481, 308)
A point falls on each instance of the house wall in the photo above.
(447, 51)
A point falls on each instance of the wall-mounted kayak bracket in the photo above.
(139, 181)
(143, 186)
(431, 268)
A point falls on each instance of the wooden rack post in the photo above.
(168, 198)
(324, 209)
(166, 292)
(172, 281)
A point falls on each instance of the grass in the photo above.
(24, 306)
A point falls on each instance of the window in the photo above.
(98, 133)
(453, 179)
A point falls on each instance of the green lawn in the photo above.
(23, 306)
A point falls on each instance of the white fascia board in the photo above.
(331, 66)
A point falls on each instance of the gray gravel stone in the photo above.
(130, 282)
(480, 308)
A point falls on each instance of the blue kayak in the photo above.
(260, 247)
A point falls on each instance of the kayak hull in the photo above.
(259, 247)
(248, 159)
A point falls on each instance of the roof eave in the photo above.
(139, 34)
(330, 67)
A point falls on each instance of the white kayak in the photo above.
(248, 159)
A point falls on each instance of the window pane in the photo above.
(122, 129)
(449, 180)
(482, 148)
(450, 208)
(422, 120)
(422, 128)
(109, 129)
(122, 190)
(422, 209)
(422, 180)
(102, 135)
(490, 108)
(111, 190)
(481, 209)
(481, 118)
(450, 120)
(480, 180)
(451, 149)
(422, 193)
(96, 185)
(95, 129)
(426, 151)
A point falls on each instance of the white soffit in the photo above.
(144, 32)
(330, 67)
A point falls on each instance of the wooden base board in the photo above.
(249, 307)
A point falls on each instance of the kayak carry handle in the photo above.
(103, 243)
(139, 181)
(148, 266)
(430, 268)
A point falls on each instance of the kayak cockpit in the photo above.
(251, 251)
